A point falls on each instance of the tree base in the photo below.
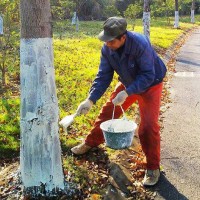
(70, 192)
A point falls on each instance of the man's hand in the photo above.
(120, 98)
(84, 107)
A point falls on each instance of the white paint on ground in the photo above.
(40, 159)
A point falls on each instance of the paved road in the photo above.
(180, 146)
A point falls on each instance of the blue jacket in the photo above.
(139, 67)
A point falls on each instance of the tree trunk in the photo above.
(176, 22)
(146, 18)
(1, 25)
(3, 71)
(40, 151)
(192, 11)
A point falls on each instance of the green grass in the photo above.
(9, 129)
(76, 60)
(162, 32)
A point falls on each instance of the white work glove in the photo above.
(120, 98)
(84, 107)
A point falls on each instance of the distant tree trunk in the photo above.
(40, 151)
(192, 11)
(176, 21)
(146, 18)
(3, 74)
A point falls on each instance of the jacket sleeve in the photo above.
(102, 80)
(145, 69)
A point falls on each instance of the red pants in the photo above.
(149, 129)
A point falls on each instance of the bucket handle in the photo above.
(110, 128)
(124, 116)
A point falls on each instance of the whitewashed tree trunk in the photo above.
(1, 25)
(176, 20)
(192, 16)
(40, 151)
(192, 11)
(146, 24)
(146, 18)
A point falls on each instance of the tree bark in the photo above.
(176, 21)
(3, 70)
(146, 18)
(35, 19)
(40, 151)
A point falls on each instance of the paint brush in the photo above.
(67, 121)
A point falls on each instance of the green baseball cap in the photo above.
(112, 27)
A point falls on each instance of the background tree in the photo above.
(176, 21)
(162, 8)
(146, 18)
(121, 6)
(133, 12)
(62, 9)
(169, 9)
(40, 152)
(110, 11)
(192, 11)
(9, 44)
(101, 9)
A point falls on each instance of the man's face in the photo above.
(116, 43)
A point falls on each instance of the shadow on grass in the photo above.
(7, 154)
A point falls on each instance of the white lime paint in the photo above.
(40, 153)
(192, 16)
(1, 25)
(119, 125)
(146, 24)
(176, 22)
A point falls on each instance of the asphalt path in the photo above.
(180, 137)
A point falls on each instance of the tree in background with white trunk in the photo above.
(40, 151)
(146, 18)
(192, 11)
(176, 21)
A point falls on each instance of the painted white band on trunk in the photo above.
(40, 159)
(146, 23)
(1, 25)
(176, 22)
(192, 16)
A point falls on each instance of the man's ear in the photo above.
(123, 37)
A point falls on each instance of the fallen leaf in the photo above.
(95, 197)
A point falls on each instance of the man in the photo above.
(140, 72)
